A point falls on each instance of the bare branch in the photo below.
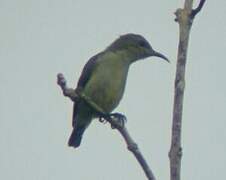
(115, 123)
(184, 18)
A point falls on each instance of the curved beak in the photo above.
(157, 54)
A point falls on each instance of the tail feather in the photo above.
(82, 116)
(76, 137)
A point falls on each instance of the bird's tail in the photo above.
(76, 137)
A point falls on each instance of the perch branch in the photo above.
(74, 95)
(185, 18)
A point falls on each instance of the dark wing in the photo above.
(84, 78)
(88, 70)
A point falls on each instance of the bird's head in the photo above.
(136, 46)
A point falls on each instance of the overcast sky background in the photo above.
(38, 39)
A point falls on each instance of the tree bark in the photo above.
(185, 18)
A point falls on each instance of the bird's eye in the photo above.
(143, 44)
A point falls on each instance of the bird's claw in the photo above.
(119, 119)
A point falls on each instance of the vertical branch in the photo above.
(185, 18)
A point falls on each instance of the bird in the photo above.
(103, 80)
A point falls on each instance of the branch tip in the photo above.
(198, 9)
(61, 81)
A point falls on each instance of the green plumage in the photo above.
(104, 77)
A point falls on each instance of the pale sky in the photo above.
(39, 39)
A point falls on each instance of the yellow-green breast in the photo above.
(107, 83)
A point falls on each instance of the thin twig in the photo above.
(198, 9)
(131, 145)
(185, 19)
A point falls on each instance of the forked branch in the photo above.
(185, 18)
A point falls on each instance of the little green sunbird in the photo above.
(103, 80)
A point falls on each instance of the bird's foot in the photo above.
(116, 120)
(119, 120)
